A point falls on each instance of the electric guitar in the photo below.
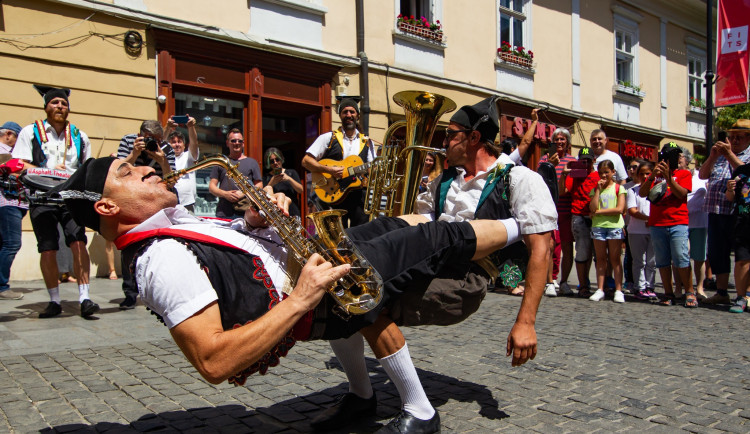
(331, 190)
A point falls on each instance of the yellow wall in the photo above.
(597, 71)
(111, 91)
(552, 52)
(650, 71)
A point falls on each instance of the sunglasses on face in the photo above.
(633, 167)
(449, 133)
(274, 160)
(236, 141)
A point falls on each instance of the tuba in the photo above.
(357, 292)
(395, 175)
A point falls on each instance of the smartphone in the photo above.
(551, 150)
(181, 120)
(579, 169)
(276, 171)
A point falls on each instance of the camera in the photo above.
(151, 144)
(672, 157)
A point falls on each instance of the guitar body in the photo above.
(331, 190)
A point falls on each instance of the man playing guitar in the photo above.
(340, 145)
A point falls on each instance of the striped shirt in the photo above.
(126, 147)
(716, 186)
(563, 203)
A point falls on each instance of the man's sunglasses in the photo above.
(449, 133)
(236, 141)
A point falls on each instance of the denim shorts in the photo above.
(697, 243)
(604, 234)
(670, 246)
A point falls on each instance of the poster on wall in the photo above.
(731, 52)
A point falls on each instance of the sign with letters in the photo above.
(731, 52)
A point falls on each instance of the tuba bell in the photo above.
(395, 175)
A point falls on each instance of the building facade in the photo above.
(274, 69)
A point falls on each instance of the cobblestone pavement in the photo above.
(601, 367)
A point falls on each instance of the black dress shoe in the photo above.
(405, 422)
(52, 309)
(88, 308)
(128, 303)
(347, 409)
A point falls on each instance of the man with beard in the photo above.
(55, 143)
(338, 145)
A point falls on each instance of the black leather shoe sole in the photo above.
(348, 408)
(128, 303)
(52, 310)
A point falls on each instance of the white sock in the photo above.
(402, 372)
(351, 354)
(83, 292)
(54, 294)
(513, 228)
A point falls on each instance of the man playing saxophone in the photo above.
(227, 307)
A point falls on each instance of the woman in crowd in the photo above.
(282, 180)
(607, 205)
(433, 167)
(639, 237)
(738, 191)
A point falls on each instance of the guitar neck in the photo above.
(358, 170)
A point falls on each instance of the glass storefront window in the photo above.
(216, 117)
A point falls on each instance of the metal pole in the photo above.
(709, 77)
(364, 80)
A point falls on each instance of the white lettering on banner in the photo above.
(734, 40)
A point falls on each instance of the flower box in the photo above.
(420, 31)
(510, 57)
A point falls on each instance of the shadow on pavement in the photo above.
(294, 415)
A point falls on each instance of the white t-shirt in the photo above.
(634, 200)
(186, 185)
(351, 147)
(530, 201)
(170, 280)
(620, 171)
(54, 148)
(515, 157)
(696, 197)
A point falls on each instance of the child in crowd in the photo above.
(607, 205)
(639, 237)
(738, 191)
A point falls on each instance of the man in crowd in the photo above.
(514, 195)
(724, 158)
(232, 202)
(55, 143)
(186, 185)
(599, 148)
(228, 333)
(146, 148)
(12, 212)
(338, 145)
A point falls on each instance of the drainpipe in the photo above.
(709, 77)
(364, 81)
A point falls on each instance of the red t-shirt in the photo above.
(670, 211)
(579, 191)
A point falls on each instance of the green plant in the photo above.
(697, 102)
(421, 22)
(519, 51)
(629, 85)
(728, 115)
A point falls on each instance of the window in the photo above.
(513, 22)
(416, 8)
(626, 52)
(696, 66)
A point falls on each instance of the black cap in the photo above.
(348, 102)
(481, 117)
(49, 93)
(671, 147)
(83, 189)
(585, 153)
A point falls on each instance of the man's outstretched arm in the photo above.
(218, 354)
(522, 337)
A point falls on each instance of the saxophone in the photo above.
(357, 292)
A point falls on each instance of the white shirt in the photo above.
(170, 281)
(530, 201)
(696, 197)
(515, 157)
(351, 146)
(634, 200)
(54, 149)
(186, 185)
(620, 171)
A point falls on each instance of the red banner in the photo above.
(732, 53)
